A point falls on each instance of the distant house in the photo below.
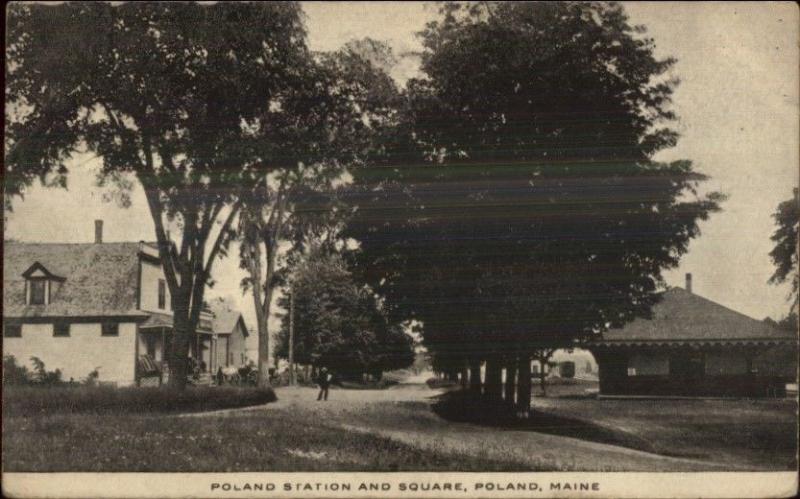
(230, 335)
(693, 346)
(101, 305)
(584, 362)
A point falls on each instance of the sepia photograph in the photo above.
(401, 249)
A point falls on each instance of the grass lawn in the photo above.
(38, 400)
(263, 441)
(396, 429)
(759, 434)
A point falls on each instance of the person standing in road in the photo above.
(324, 381)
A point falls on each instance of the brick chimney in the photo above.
(689, 282)
(98, 231)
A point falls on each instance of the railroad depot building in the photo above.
(105, 306)
(693, 346)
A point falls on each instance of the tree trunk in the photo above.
(475, 375)
(543, 377)
(524, 383)
(494, 378)
(511, 374)
(179, 352)
(263, 341)
(543, 356)
(291, 339)
(464, 375)
(262, 312)
(268, 234)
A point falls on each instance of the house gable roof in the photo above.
(38, 268)
(97, 279)
(226, 316)
(683, 317)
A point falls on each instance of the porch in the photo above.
(153, 344)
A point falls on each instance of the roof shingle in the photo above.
(100, 279)
(225, 316)
(681, 316)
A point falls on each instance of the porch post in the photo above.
(136, 358)
(163, 356)
(212, 356)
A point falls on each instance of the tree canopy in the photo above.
(331, 121)
(517, 203)
(786, 239)
(339, 324)
(197, 102)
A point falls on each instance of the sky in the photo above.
(738, 118)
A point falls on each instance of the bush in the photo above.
(26, 401)
(13, 374)
(92, 379)
(16, 375)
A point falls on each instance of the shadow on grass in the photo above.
(466, 407)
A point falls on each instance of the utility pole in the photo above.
(291, 338)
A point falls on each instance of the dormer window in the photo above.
(39, 284)
(38, 292)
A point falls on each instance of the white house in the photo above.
(104, 306)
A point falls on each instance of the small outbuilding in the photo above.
(693, 346)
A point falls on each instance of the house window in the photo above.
(12, 330)
(688, 364)
(37, 291)
(162, 294)
(61, 329)
(631, 371)
(110, 329)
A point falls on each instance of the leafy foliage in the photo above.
(14, 374)
(334, 115)
(786, 239)
(516, 204)
(340, 325)
(20, 375)
(196, 102)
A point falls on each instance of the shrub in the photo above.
(92, 378)
(16, 375)
(24, 401)
(13, 374)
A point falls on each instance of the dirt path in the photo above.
(403, 413)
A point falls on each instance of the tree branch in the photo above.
(165, 250)
(218, 241)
